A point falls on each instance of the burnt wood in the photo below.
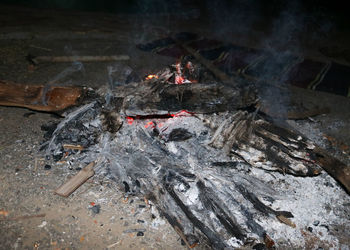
(159, 98)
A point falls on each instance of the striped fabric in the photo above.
(259, 64)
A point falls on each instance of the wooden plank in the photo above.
(76, 181)
(39, 97)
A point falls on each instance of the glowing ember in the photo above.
(149, 77)
(182, 113)
(150, 124)
(179, 80)
(129, 120)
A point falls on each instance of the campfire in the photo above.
(219, 170)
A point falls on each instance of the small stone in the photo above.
(316, 222)
(259, 246)
(47, 167)
(142, 206)
(78, 168)
(96, 209)
(140, 234)
(140, 221)
(310, 229)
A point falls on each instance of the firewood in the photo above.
(76, 181)
(38, 59)
(39, 97)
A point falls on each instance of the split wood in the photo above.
(71, 146)
(76, 181)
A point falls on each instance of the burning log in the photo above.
(158, 98)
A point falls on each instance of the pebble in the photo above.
(140, 234)
(47, 167)
(316, 222)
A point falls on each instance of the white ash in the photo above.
(135, 152)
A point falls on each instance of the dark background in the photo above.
(335, 11)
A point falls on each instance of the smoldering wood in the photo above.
(159, 99)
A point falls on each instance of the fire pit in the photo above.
(221, 172)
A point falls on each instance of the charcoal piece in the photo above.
(58, 156)
(259, 246)
(95, 209)
(226, 164)
(126, 187)
(211, 235)
(258, 205)
(47, 167)
(137, 183)
(227, 220)
(179, 134)
(49, 129)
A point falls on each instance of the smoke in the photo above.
(284, 47)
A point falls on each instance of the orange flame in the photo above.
(149, 77)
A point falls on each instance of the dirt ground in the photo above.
(96, 216)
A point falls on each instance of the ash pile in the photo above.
(223, 174)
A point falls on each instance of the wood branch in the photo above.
(39, 97)
(76, 181)
(39, 59)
